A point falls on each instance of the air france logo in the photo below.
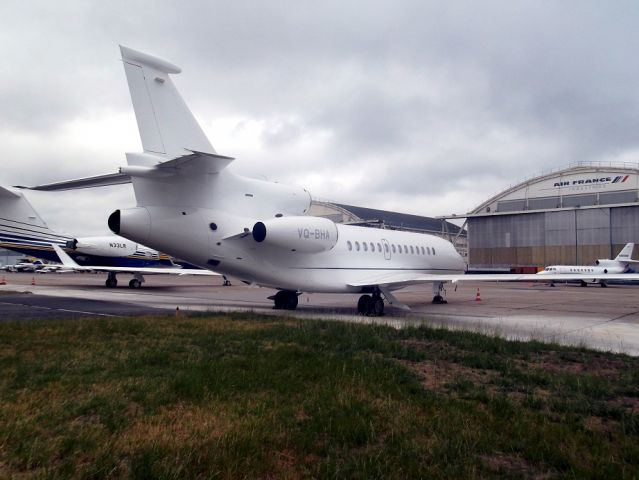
(117, 245)
(317, 234)
(590, 181)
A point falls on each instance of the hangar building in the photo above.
(570, 216)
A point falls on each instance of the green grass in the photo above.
(245, 396)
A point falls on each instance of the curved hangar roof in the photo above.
(582, 185)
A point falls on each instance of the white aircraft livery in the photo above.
(603, 266)
(191, 205)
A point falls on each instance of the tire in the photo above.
(111, 283)
(363, 304)
(376, 307)
(279, 300)
(291, 301)
(135, 283)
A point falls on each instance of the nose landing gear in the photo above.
(438, 293)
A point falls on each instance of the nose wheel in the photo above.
(111, 281)
(438, 293)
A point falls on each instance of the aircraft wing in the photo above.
(401, 279)
(69, 263)
(87, 182)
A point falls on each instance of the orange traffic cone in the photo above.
(478, 296)
(3, 281)
(32, 280)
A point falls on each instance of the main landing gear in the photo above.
(135, 282)
(371, 305)
(285, 300)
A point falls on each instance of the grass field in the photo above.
(245, 396)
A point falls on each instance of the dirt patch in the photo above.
(437, 376)
(553, 362)
(630, 404)
(512, 464)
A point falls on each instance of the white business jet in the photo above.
(191, 205)
(603, 266)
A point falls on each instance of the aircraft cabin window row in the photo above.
(403, 249)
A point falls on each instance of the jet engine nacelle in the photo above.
(298, 234)
(107, 246)
(605, 262)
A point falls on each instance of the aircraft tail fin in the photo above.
(625, 255)
(21, 227)
(166, 124)
(16, 210)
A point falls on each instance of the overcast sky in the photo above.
(422, 107)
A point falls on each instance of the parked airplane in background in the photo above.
(602, 267)
(25, 265)
(23, 230)
(189, 204)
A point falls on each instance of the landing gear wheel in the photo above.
(439, 300)
(280, 298)
(291, 301)
(285, 300)
(603, 284)
(363, 304)
(371, 306)
(376, 307)
(111, 283)
(583, 284)
(135, 283)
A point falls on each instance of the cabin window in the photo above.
(423, 251)
(428, 250)
(399, 248)
(349, 245)
(372, 247)
(212, 226)
(434, 253)
(385, 247)
(379, 247)
(393, 247)
(412, 250)
(405, 249)
(357, 246)
(365, 246)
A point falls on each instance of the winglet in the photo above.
(66, 260)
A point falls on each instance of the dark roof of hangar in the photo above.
(400, 220)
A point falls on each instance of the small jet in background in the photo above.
(23, 230)
(603, 266)
(26, 265)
